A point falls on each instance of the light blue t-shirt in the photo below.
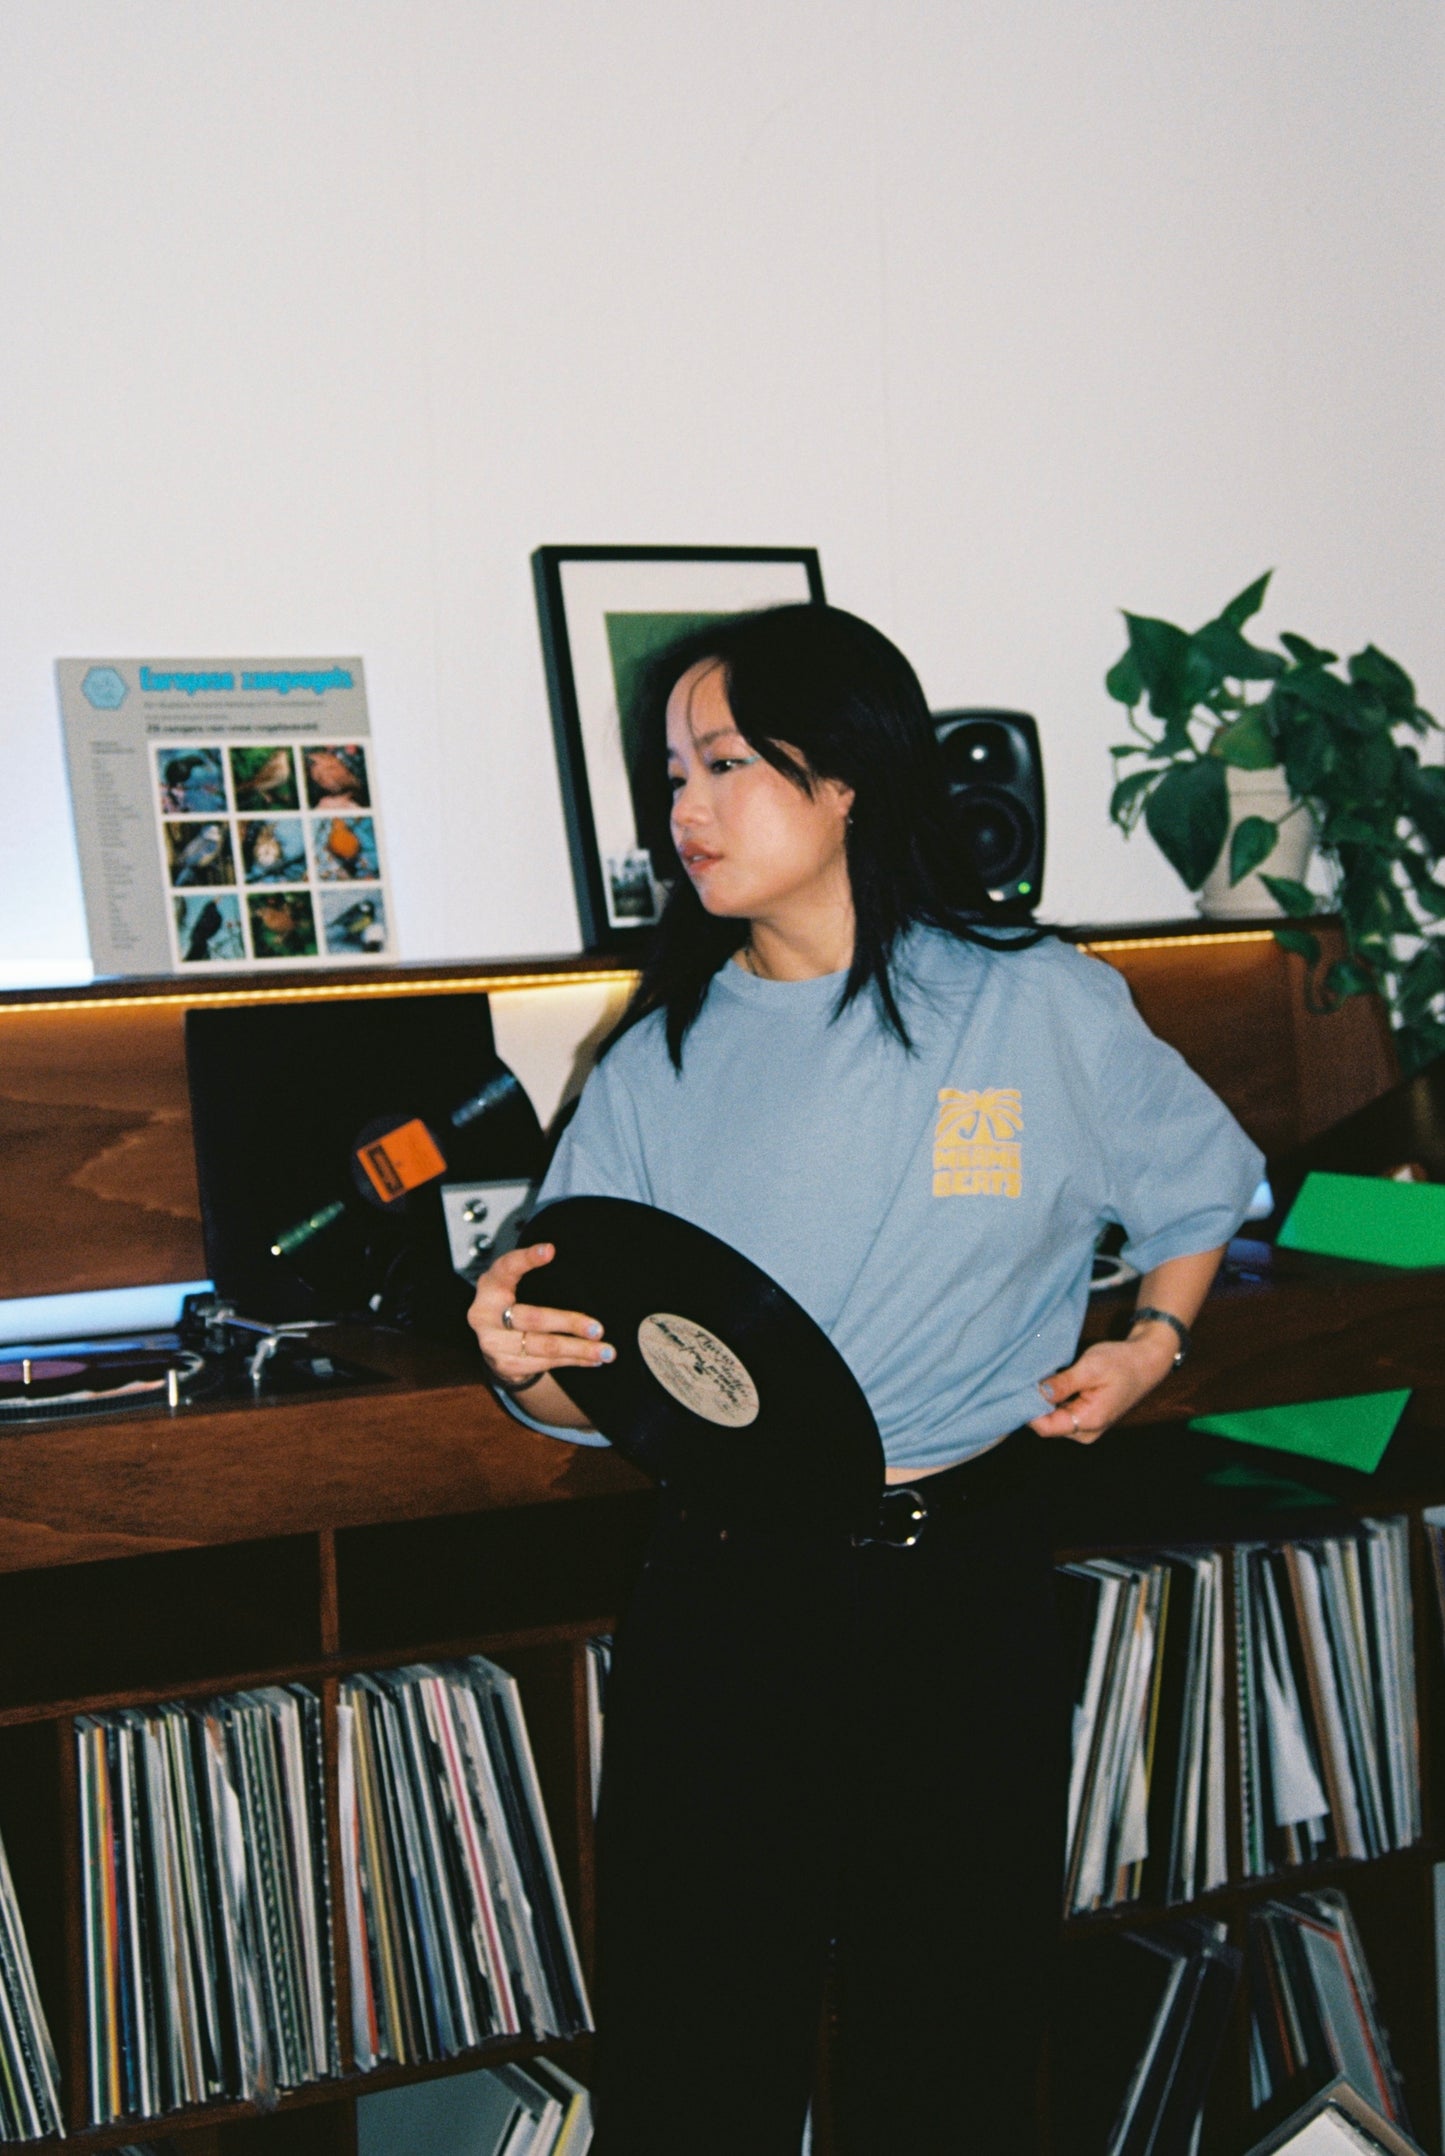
(936, 1212)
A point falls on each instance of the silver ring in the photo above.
(507, 1317)
(1077, 1424)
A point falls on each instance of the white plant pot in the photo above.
(1258, 793)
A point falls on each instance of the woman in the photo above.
(829, 1757)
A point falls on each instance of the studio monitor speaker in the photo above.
(996, 783)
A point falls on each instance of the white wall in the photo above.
(319, 315)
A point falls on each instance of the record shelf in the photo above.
(1162, 1487)
(525, 1578)
(172, 1555)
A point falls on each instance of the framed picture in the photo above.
(1337, 2122)
(605, 612)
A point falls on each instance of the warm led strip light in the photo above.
(504, 983)
(1178, 943)
(494, 984)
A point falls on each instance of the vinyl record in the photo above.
(53, 1384)
(724, 1389)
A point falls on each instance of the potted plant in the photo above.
(1243, 756)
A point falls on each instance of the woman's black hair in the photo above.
(846, 700)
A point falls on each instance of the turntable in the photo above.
(357, 1165)
(214, 1355)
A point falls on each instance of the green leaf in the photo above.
(1250, 600)
(1203, 679)
(1253, 842)
(1424, 789)
(1297, 902)
(1248, 742)
(1125, 803)
(1298, 940)
(1372, 906)
(1421, 983)
(1160, 652)
(1419, 1044)
(1315, 689)
(1307, 654)
(1378, 767)
(1177, 741)
(1233, 656)
(1396, 689)
(1124, 682)
(1346, 829)
(1309, 751)
(1372, 952)
(1369, 713)
(1346, 978)
(1188, 816)
(1429, 894)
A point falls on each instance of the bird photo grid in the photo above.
(250, 785)
(270, 851)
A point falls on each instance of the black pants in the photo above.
(816, 1749)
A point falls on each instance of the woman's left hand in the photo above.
(1105, 1382)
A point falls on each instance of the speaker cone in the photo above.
(998, 836)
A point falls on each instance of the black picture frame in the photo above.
(600, 610)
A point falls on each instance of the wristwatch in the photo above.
(1164, 1317)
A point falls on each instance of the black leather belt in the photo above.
(903, 1511)
(989, 1478)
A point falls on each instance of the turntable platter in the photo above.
(37, 1373)
(47, 1387)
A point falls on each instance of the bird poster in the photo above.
(225, 813)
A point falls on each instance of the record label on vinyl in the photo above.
(696, 1368)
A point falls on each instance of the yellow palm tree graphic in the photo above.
(995, 1115)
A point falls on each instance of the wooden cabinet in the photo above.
(186, 1553)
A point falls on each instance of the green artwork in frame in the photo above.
(633, 641)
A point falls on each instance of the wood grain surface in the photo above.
(428, 1441)
(1237, 1013)
(1282, 1326)
(98, 1188)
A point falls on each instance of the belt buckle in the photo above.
(911, 1525)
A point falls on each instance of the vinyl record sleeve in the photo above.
(525, 1978)
(723, 1387)
(455, 2001)
(1330, 1908)
(561, 2003)
(572, 2010)
(421, 1922)
(1336, 2122)
(1173, 1652)
(1219, 1971)
(1116, 1994)
(384, 1922)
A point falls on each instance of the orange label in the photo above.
(401, 1160)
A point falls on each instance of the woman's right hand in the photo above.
(533, 1340)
